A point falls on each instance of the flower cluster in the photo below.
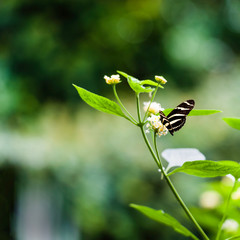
(114, 79)
(153, 107)
(156, 125)
(154, 122)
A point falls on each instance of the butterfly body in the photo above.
(175, 120)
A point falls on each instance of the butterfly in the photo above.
(175, 120)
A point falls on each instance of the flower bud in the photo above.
(230, 225)
(114, 79)
(160, 79)
(154, 107)
(210, 199)
(236, 194)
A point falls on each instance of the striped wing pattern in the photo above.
(175, 120)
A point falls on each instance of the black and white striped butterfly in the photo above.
(175, 120)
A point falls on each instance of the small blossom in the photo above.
(236, 194)
(230, 225)
(160, 79)
(114, 79)
(210, 199)
(156, 125)
(153, 108)
(229, 180)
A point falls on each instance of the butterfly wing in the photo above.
(177, 117)
(164, 120)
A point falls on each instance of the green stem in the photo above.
(225, 211)
(153, 96)
(138, 110)
(130, 117)
(150, 149)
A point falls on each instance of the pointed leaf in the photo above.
(135, 84)
(100, 103)
(237, 237)
(195, 112)
(164, 218)
(233, 122)
(123, 74)
(151, 83)
(208, 168)
(199, 112)
(143, 82)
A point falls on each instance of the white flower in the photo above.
(230, 225)
(210, 199)
(160, 79)
(156, 125)
(236, 194)
(114, 79)
(153, 108)
(229, 180)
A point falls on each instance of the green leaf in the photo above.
(100, 103)
(151, 83)
(208, 168)
(135, 84)
(233, 122)
(143, 82)
(195, 112)
(167, 111)
(199, 112)
(123, 74)
(164, 218)
(237, 237)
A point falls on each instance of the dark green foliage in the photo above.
(46, 43)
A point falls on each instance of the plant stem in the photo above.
(225, 211)
(138, 110)
(150, 149)
(153, 96)
(159, 164)
(130, 117)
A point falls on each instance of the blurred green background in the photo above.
(69, 172)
